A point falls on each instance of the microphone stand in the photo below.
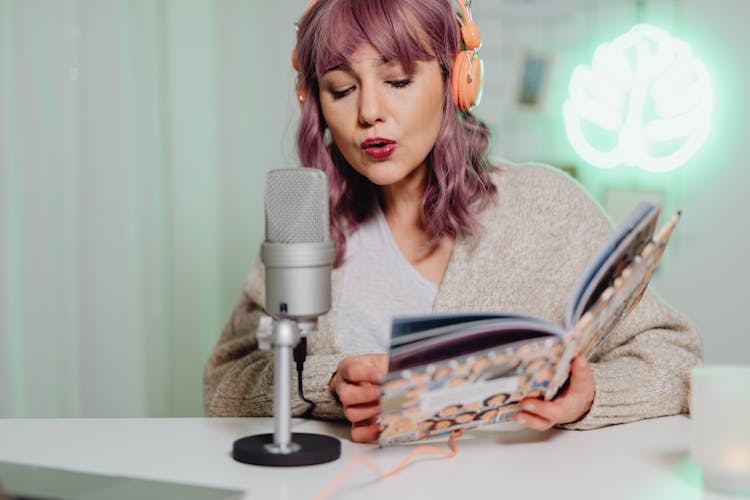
(297, 257)
(284, 448)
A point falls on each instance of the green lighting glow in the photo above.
(645, 101)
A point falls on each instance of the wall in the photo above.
(133, 141)
(704, 272)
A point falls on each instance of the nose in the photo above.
(371, 105)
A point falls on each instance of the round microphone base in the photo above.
(313, 449)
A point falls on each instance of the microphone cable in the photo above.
(300, 354)
(361, 458)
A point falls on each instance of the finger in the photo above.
(378, 361)
(360, 369)
(360, 413)
(579, 395)
(552, 411)
(532, 420)
(365, 432)
(353, 394)
(581, 377)
(574, 402)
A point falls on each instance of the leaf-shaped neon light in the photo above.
(644, 101)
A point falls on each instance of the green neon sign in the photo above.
(644, 101)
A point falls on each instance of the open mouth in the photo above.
(378, 148)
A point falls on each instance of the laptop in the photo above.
(29, 482)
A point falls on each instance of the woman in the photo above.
(423, 223)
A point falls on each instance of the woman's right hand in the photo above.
(356, 383)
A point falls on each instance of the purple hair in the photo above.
(408, 31)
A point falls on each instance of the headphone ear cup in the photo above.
(466, 80)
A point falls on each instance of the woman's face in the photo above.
(382, 119)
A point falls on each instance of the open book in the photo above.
(459, 371)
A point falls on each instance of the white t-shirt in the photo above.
(378, 284)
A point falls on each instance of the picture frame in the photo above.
(534, 79)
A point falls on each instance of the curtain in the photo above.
(134, 136)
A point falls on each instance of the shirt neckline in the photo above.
(388, 236)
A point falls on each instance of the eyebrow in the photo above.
(347, 67)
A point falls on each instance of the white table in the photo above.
(642, 460)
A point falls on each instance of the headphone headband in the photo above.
(466, 79)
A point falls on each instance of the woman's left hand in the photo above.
(570, 406)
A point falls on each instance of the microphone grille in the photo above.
(296, 204)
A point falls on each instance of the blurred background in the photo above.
(135, 134)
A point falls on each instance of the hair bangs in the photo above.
(337, 37)
(381, 23)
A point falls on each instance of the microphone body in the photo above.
(297, 253)
(298, 279)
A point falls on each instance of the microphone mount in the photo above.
(284, 448)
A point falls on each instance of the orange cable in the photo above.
(362, 459)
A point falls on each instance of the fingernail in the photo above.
(521, 420)
(528, 406)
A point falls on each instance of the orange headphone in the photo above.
(466, 77)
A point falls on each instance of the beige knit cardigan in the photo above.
(535, 242)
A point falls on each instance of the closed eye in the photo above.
(338, 94)
(398, 84)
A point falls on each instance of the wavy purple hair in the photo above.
(408, 31)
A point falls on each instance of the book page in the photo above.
(445, 342)
(408, 329)
(629, 239)
(613, 304)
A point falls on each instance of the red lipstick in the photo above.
(378, 148)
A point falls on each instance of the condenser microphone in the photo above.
(297, 255)
(297, 252)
